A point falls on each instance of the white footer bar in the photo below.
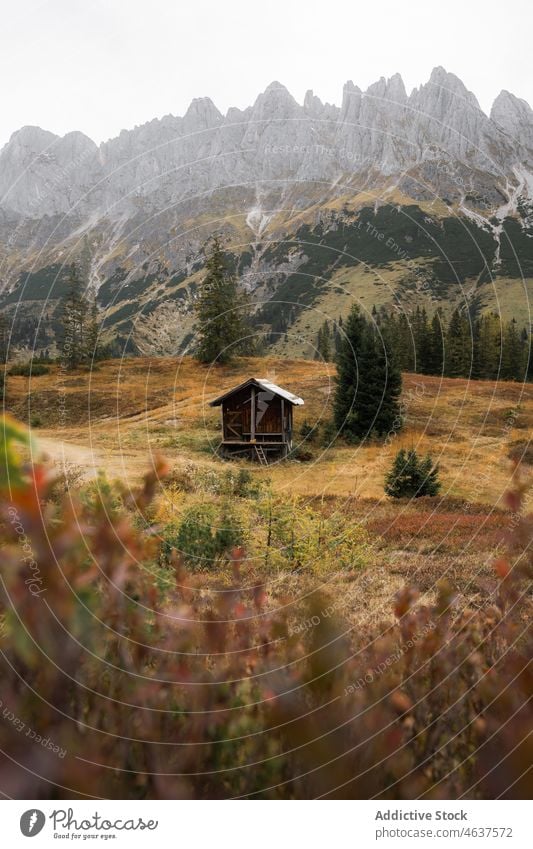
(267, 825)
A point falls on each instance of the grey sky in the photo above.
(103, 65)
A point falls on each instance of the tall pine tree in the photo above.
(73, 322)
(323, 344)
(458, 354)
(490, 346)
(4, 339)
(480, 347)
(437, 341)
(513, 366)
(348, 372)
(368, 382)
(92, 335)
(222, 311)
(423, 343)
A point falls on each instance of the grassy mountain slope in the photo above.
(304, 265)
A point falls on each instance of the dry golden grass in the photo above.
(123, 412)
(116, 416)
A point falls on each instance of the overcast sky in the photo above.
(103, 65)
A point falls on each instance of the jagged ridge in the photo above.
(138, 207)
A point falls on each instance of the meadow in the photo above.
(117, 417)
(173, 625)
(120, 412)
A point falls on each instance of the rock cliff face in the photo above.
(274, 140)
(140, 205)
(515, 117)
(44, 174)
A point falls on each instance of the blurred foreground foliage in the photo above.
(116, 683)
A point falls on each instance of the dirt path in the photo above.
(123, 464)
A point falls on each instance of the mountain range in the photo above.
(388, 199)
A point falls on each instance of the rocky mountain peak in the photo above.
(392, 89)
(202, 111)
(312, 103)
(382, 130)
(31, 137)
(275, 103)
(513, 115)
(396, 88)
(446, 88)
(351, 102)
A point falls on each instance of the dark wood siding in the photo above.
(237, 414)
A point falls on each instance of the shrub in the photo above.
(301, 454)
(521, 451)
(68, 478)
(183, 477)
(231, 482)
(201, 539)
(95, 492)
(308, 432)
(32, 369)
(242, 484)
(329, 434)
(412, 476)
(300, 538)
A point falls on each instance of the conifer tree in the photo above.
(477, 352)
(378, 402)
(458, 351)
(368, 382)
(490, 344)
(512, 354)
(437, 341)
(412, 476)
(92, 335)
(4, 339)
(528, 354)
(348, 372)
(323, 345)
(423, 342)
(222, 311)
(337, 337)
(4, 350)
(406, 344)
(318, 355)
(389, 328)
(479, 347)
(73, 322)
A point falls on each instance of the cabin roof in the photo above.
(261, 383)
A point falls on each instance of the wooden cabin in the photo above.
(256, 420)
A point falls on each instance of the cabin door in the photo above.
(234, 424)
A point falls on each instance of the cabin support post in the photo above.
(290, 428)
(252, 416)
(282, 420)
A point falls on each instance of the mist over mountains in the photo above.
(388, 198)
